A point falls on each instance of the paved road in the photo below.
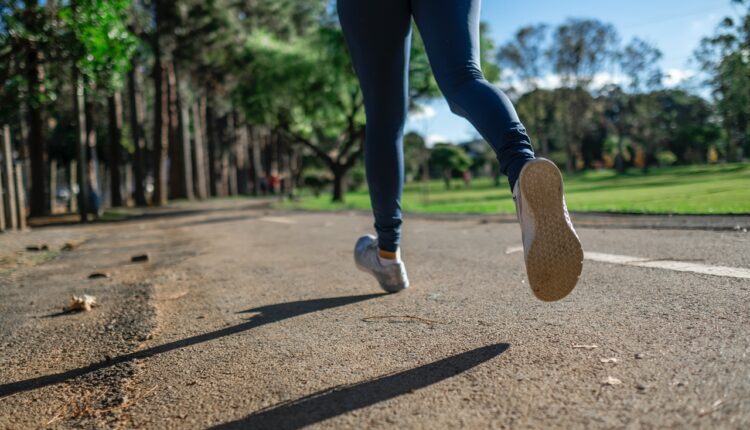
(248, 318)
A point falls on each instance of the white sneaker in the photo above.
(552, 249)
(392, 277)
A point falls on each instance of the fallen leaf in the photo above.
(37, 248)
(69, 246)
(611, 381)
(82, 303)
(609, 360)
(715, 407)
(585, 346)
(139, 258)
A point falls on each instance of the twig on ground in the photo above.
(406, 317)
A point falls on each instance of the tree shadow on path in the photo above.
(336, 401)
(267, 315)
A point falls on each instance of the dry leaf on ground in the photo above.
(585, 346)
(81, 303)
(611, 381)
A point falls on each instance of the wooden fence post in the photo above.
(9, 181)
(21, 193)
(2, 206)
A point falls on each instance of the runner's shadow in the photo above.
(266, 315)
(336, 401)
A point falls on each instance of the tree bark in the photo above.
(115, 148)
(161, 113)
(214, 161)
(201, 184)
(91, 142)
(185, 150)
(339, 183)
(178, 184)
(52, 185)
(9, 180)
(243, 160)
(257, 164)
(138, 134)
(37, 148)
(82, 160)
(229, 173)
(161, 134)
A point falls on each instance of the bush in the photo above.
(666, 158)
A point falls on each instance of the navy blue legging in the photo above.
(378, 34)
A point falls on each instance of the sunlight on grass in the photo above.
(721, 189)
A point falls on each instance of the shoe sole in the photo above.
(555, 258)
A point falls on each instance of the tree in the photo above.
(26, 36)
(101, 49)
(447, 159)
(724, 58)
(525, 56)
(639, 61)
(579, 51)
(416, 154)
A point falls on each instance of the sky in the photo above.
(674, 26)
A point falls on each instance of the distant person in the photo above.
(378, 34)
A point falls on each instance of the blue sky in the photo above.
(674, 26)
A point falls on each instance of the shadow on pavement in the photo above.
(336, 401)
(114, 216)
(267, 315)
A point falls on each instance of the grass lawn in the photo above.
(718, 189)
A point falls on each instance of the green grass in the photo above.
(718, 189)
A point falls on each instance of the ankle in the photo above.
(388, 257)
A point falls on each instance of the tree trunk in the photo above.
(37, 148)
(201, 184)
(339, 175)
(91, 142)
(161, 133)
(115, 148)
(52, 185)
(178, 184)
(161, 112)
(229, 174)
(214, 162)
(243, 162)
(82, 160)
(9, 180)
(257, 164)
(136, 131)
(185, 159)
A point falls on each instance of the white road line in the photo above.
(278, 220)
(678, 266)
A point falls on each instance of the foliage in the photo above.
(104, 45)
(717, 189)
(448, 159)
(725, 58)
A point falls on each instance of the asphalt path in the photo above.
(245, 317)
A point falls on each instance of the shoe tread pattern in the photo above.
(555, 258)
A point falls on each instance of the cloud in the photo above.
(425, 112)
(675, 77)
(432, 139)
